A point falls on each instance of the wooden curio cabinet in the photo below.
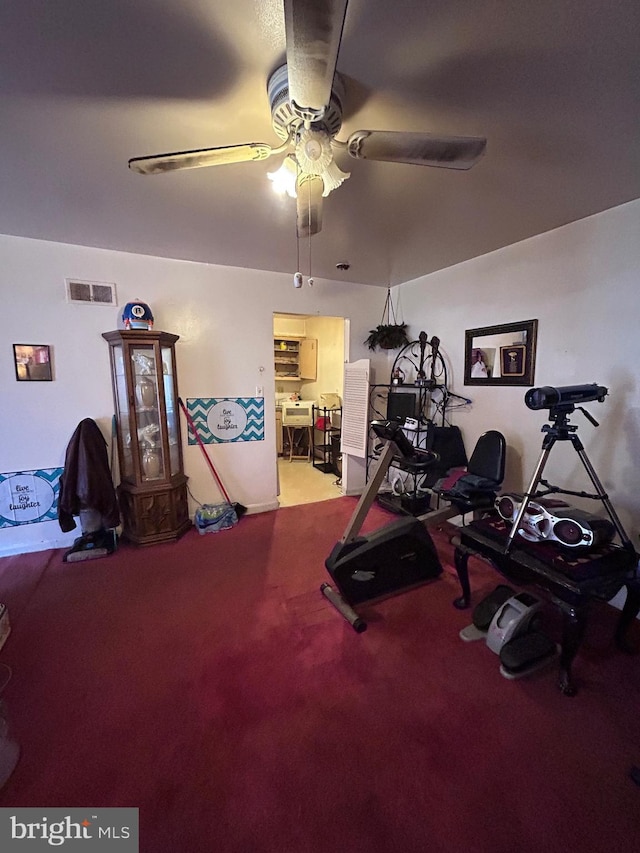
(153, 486)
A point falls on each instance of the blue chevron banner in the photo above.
(29, 496)
(226, 419)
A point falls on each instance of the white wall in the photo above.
(329, 332)
(224, 317)
(582, 284)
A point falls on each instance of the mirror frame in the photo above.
(527, 377)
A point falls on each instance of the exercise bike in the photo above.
(398, 556)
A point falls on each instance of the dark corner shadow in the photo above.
(114, 49)
(501, 78)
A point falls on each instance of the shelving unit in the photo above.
(295, 359)
(153, 486)
(419, 374)
(413, 499)
(325, 438)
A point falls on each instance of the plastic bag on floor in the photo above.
(211, 518)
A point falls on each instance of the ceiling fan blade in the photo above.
(313, 31)
(201, 157)
(421, 149)
(309, 205)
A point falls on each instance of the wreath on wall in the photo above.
(388, 335)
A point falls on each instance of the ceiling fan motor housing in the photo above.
(286, 122)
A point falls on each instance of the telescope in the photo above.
(549, 397)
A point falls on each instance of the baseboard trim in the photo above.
(254, 509)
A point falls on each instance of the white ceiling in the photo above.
(87, 84)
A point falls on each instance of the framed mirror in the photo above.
(501, 355)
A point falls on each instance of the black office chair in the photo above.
(476, 487)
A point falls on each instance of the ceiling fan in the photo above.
(306, 96)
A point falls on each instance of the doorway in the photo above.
(309, 356)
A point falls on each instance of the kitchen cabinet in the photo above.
(308, 358)
(295, 359)
(153, 486)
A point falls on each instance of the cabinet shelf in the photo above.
(295, 359)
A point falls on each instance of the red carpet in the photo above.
(211, 685)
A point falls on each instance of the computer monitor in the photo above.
(401, 405)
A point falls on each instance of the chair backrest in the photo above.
(488, 457)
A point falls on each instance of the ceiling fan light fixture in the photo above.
(332, 177)
(313, 151)
(284, 179)
(314, 156)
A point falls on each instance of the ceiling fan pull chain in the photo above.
(297, 278)
(309, 201)
(297, 251)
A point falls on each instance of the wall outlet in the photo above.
(259, 391)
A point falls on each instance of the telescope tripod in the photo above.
(562, 430)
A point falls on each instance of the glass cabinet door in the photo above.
(124, 415)
(171, 404)
(148, 412)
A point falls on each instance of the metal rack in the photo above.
(411, 498)
(326, 439)
(417, 374)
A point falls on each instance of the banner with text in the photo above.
(29, 496)
(226, 419)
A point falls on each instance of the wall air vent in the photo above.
(90, 292)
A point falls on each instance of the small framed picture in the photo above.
(513, 360)
(32, 362)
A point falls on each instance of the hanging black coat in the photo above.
(86, 480)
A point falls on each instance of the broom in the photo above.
(238, 507)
